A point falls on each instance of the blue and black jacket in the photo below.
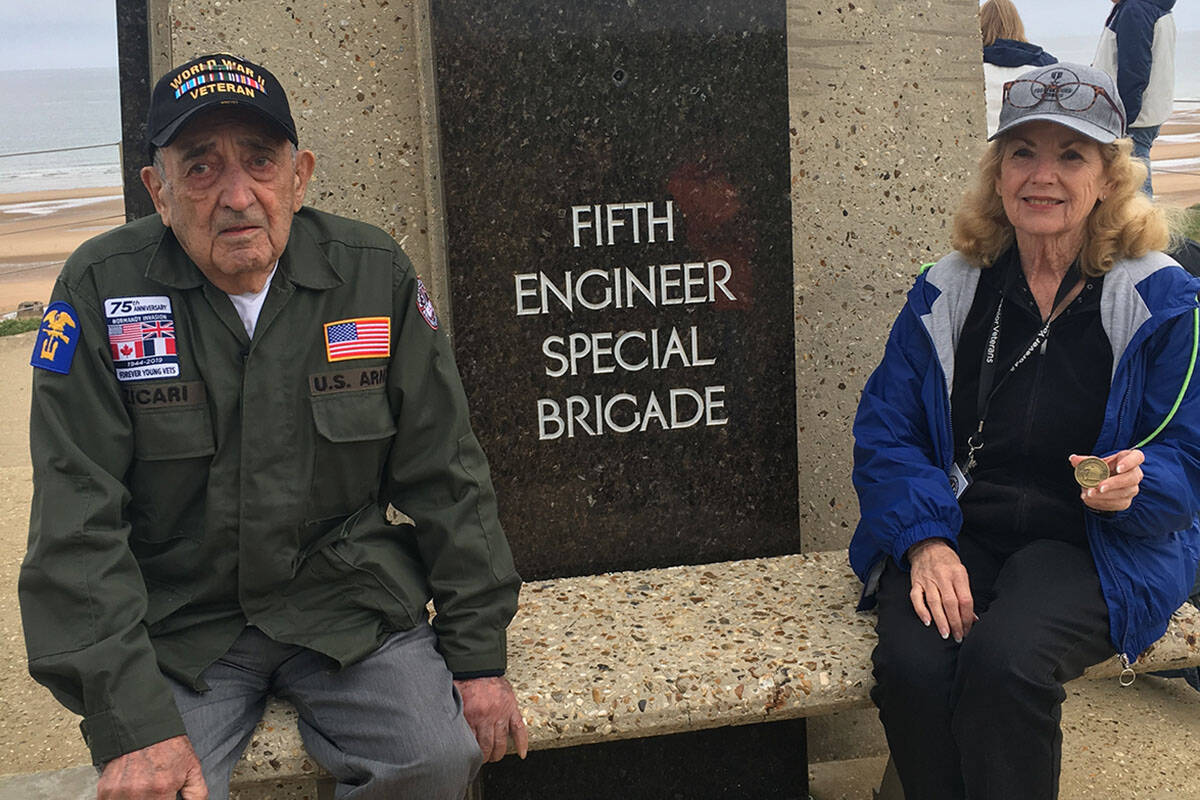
(1146, 555)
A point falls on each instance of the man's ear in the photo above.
(306, 162)
(154, 185)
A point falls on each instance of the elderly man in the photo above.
(252, 469)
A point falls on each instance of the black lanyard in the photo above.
(988, 387)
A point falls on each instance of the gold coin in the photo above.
(1090, 472)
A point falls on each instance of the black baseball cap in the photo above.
(211, 81)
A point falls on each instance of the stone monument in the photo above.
(616, 181)
(618, 229)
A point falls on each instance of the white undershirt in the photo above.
(249, 305)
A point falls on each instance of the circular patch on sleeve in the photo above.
(425, 306)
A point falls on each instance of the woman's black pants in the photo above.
(980, 719)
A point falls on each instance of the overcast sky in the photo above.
(49, 34)
(45, 34)
(1058, 18)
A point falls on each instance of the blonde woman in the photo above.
(1027, 454)
(1006, 53)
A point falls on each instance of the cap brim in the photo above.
(168, 134)
(1088, 129)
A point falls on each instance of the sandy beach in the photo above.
(1175, 158)
(38, 230)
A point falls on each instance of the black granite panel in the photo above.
(624, 432)
(756, 762)
(133, 57)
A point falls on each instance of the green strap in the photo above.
(926, 266)
(1186, 380)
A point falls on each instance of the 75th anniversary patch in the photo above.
(141, 334)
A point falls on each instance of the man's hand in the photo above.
(490, 707)
(941, 591)
(1116, 492)
(157, 772)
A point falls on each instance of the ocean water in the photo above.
(51, 109)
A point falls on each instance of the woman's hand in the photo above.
(1117, 491)
(941, 592)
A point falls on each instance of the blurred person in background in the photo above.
(1137, 48)
(1006, 53)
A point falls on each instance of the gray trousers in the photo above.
(390, 726)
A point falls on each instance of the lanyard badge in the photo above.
(988, 386)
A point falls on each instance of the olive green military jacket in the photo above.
(320, 481)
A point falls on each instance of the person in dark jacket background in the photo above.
(1003, 559)
(1006, 53)
(1137, 48)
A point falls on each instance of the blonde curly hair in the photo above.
(1126, 225)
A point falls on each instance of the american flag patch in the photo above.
(361, 337)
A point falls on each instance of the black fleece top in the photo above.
(1052, 405)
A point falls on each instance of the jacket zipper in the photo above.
(1023, 506)
(1127, 676)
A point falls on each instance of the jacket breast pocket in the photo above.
(172, 451)
(354, 435)
(172, 433)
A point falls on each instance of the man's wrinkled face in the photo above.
(227, 186)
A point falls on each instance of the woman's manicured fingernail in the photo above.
(946, 635)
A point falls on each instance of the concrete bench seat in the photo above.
(651, 652)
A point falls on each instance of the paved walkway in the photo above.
(36, 733)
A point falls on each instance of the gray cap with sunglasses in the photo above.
(1082, 98)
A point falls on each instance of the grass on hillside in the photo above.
(10, 326)
(1191, 222)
